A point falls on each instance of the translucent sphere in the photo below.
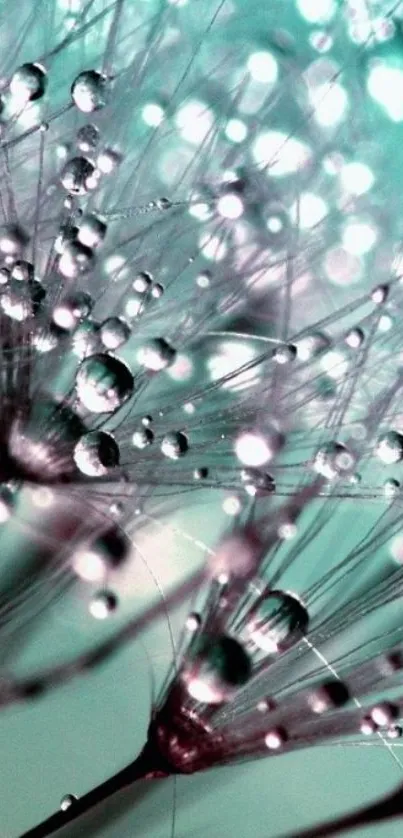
(142, 438)
(78, 176)
(114, 332)
(103, 383)
(87, 138)
(328, 696)
(67, 801)
(384, 713)
(156, 355)
(108, 160)
(142, 282)
(85, 340)
(157, 291)
(28, 83)
(88, 91)
(389, 447)
(13, 240)
(391, 488)
(107, 553)
(201, 473)
(285, 354)
(67, 234)
(95, 453)
(275, 738)
(355, 338)
(103, 604)
(71, 310)
(92, 230)
(174, 445)
(333, 460)
(277, 622)
(22, 271)
(218, 666)
(16, 302)
(254, 449)
(75, 260)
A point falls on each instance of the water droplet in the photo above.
(142, 438)
(255, 449)
(380, 294)
(114, 332)
(108, 160)
(285, 354)
(22, 271)
(91, 230)
(142, 282)
(13, 240)
(96, 452)
(28, 83)
(277, 622)
(88, 91)
(384, 713)
(217, 667)
(163, 203)
(87, 138)
(389, 447)
(391, 488)
(354, 338)
(328, 696)
(67, 801)
(108, 552)
(78, 176)
(103, 383)
(157, 291)
(103, 604)
(333, 460)
(156, 355)
(174, 445)
(200, 473)
(193, 622)
(275, 738)
(71, 310)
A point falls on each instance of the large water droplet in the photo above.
(174, 445)
(106, 553)
(88, 91)
(78, 176)
(389, 447)
(95, 453)
(114, 332)
(103, 383)
(28, 83)
(218, 666)
(277, 622)
(156, 355)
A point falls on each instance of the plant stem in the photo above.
(148, 765)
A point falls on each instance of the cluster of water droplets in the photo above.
(201, 290)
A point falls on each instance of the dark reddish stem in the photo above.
(387, 809)
(149, 765)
